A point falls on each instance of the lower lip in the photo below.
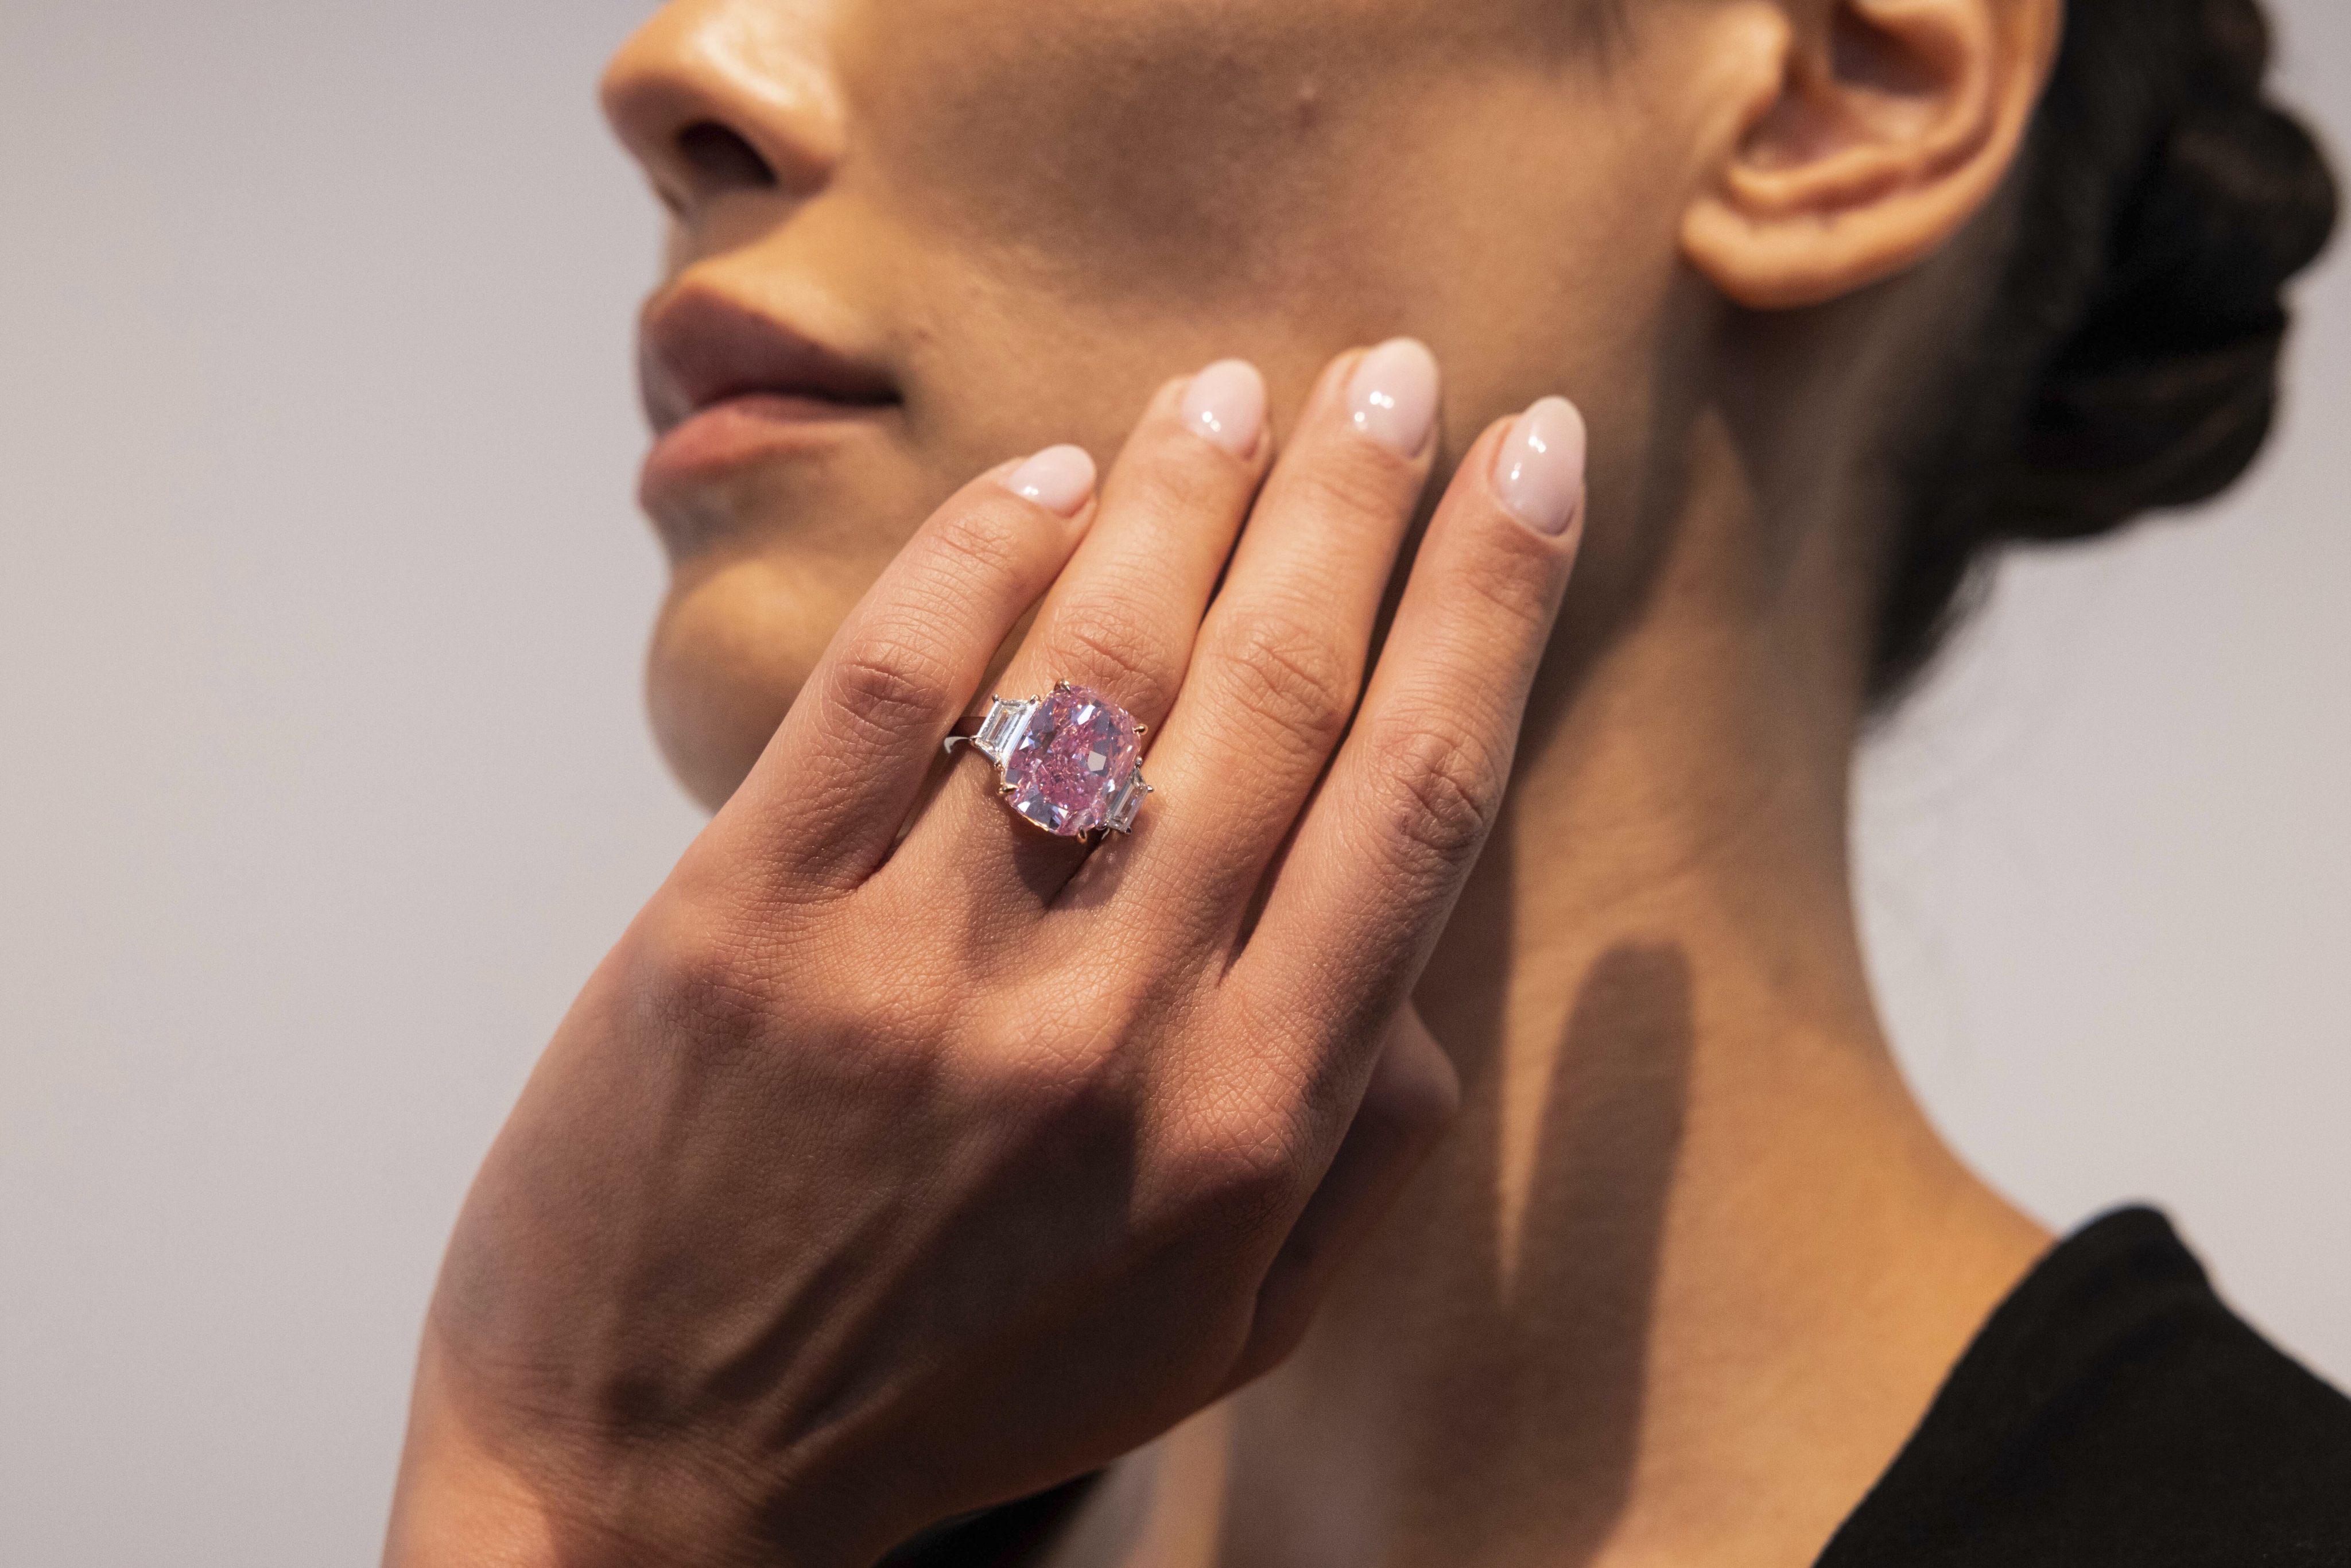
(743, 429)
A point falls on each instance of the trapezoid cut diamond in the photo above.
(1001, 726)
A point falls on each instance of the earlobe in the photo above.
(1881, 127)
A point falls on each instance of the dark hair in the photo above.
(2129, 361)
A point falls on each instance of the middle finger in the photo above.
(1121, 618)
(1279, 662)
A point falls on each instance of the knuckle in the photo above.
(889, 688)
(1237, 1163)
(1246, 1166)
(1100, 642)
(1288, 674)
(1183, 479)
(982, 545)
(1059, 1101)
(1022, 1070)
(1071, 1106)
(1358, 480)
(1034, 1047)
(1509, 576)
(702, 981)
(1437, 789)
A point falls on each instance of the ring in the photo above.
(1070, 761)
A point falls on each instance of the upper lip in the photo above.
(698, 348)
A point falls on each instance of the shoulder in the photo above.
(2113, 1410)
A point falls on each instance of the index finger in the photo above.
(826, 799)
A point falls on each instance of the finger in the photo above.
(827, 797)
(1279, 659)
(1120, 620)
(1410, 1101)
(1366, 886)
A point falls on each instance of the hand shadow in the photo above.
(1565, 1330)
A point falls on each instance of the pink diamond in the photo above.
(1073, 761)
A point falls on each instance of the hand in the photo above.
(884, 1171)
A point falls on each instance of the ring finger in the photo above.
(1122, 617)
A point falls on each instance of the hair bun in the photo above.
(2166, 385)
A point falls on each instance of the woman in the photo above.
(1289, 1181)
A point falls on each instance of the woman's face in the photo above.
(914, 238)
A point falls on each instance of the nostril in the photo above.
(721, 159)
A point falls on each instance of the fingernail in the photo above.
(1059, 479)
(1391, 397)
(1225, 403)
(1539, 473)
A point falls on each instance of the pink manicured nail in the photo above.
(1225, 403)
(1059, 479)
(1391, 397)
(1539, 473)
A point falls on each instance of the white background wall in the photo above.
(323, 783)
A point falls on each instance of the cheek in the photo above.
(1096, 147)
(1051, 208)
(765, 567)
(749, 613)
(735, 642)
(1120, 190)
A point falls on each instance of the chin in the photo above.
(733, 646)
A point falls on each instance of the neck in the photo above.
(1692, 1263)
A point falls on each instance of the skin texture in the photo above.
(1689, 1263)
(877, 1176)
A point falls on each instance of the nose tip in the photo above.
(717, 97)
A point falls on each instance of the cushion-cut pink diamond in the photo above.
(1073, 761)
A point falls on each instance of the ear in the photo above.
(1871, 132)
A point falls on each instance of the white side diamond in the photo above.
(1002, 730)
(1119, 816)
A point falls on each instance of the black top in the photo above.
(2112, 1414)
(2115, 1411)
